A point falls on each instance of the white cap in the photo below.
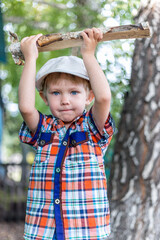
(66, 64)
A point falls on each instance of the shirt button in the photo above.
(58, 170)
(42, 143)
(64, 143)
(73, 143)
(57, 201)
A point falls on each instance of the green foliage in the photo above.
(26, 17)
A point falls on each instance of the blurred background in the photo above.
(25, 18)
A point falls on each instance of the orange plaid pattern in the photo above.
(67, 195)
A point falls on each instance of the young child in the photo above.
(67, 195)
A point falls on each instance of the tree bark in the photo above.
(58, 41)
(135, 173)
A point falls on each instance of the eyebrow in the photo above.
(51, 88)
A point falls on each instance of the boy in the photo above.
(67, 195)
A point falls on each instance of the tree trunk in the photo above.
(135, 174)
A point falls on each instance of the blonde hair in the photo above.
(56, 78)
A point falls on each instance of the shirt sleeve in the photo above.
(26, 136)
(103, 139)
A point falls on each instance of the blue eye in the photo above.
(55, 93)
(74, 92)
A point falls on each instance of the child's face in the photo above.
(66, 99)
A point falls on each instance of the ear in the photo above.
(41, 93)
(90, 97)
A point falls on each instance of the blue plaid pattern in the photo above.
(67, 189)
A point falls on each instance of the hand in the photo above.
(29, 47)
(90, 39)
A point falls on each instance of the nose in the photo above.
(65, 99)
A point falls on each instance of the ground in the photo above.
(11, 230)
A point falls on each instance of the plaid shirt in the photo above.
(67, 195)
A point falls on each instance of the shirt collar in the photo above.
(59, 124)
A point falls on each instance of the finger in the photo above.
(38, 36)
(32, 37)
(98, 35)
(84, 35)
(89, 32)
(27, 39)
(24, 39)
(95, 33)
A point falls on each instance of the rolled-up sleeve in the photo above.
(103, 139)
(26, 136)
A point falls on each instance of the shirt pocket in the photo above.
(44, 147)
(80, 148)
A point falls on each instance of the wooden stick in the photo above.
(56, 41)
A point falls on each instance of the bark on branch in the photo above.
(56, 41)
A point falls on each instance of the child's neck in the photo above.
(67, 125)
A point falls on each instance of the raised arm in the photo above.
(98, 80)
(26, 91)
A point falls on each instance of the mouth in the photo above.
(66, 110)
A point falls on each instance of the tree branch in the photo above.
(58, 41)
